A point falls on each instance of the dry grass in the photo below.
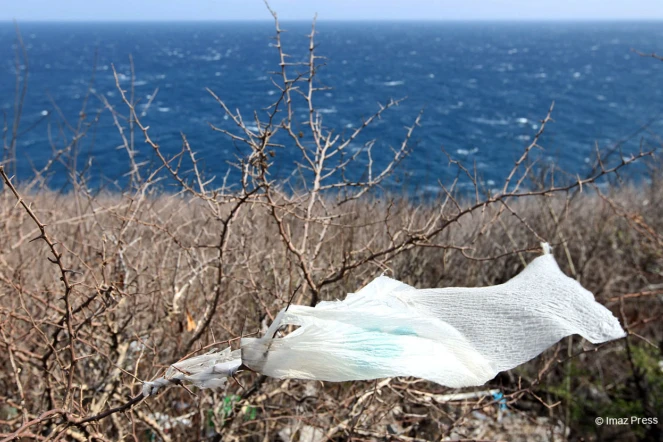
(145, 274)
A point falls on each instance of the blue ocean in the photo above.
(483, 88)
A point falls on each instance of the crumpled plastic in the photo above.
(210, 370)
(458, 337)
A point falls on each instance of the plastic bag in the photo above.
(210, 370)
(457, 337)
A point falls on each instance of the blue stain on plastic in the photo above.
(501, 401)
(404, 331)
(375, 345)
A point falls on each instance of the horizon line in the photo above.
(346, 20)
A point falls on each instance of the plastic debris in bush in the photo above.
(210, 370)
(457, 337)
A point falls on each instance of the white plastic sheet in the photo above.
(457, 337)
(210, 370)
